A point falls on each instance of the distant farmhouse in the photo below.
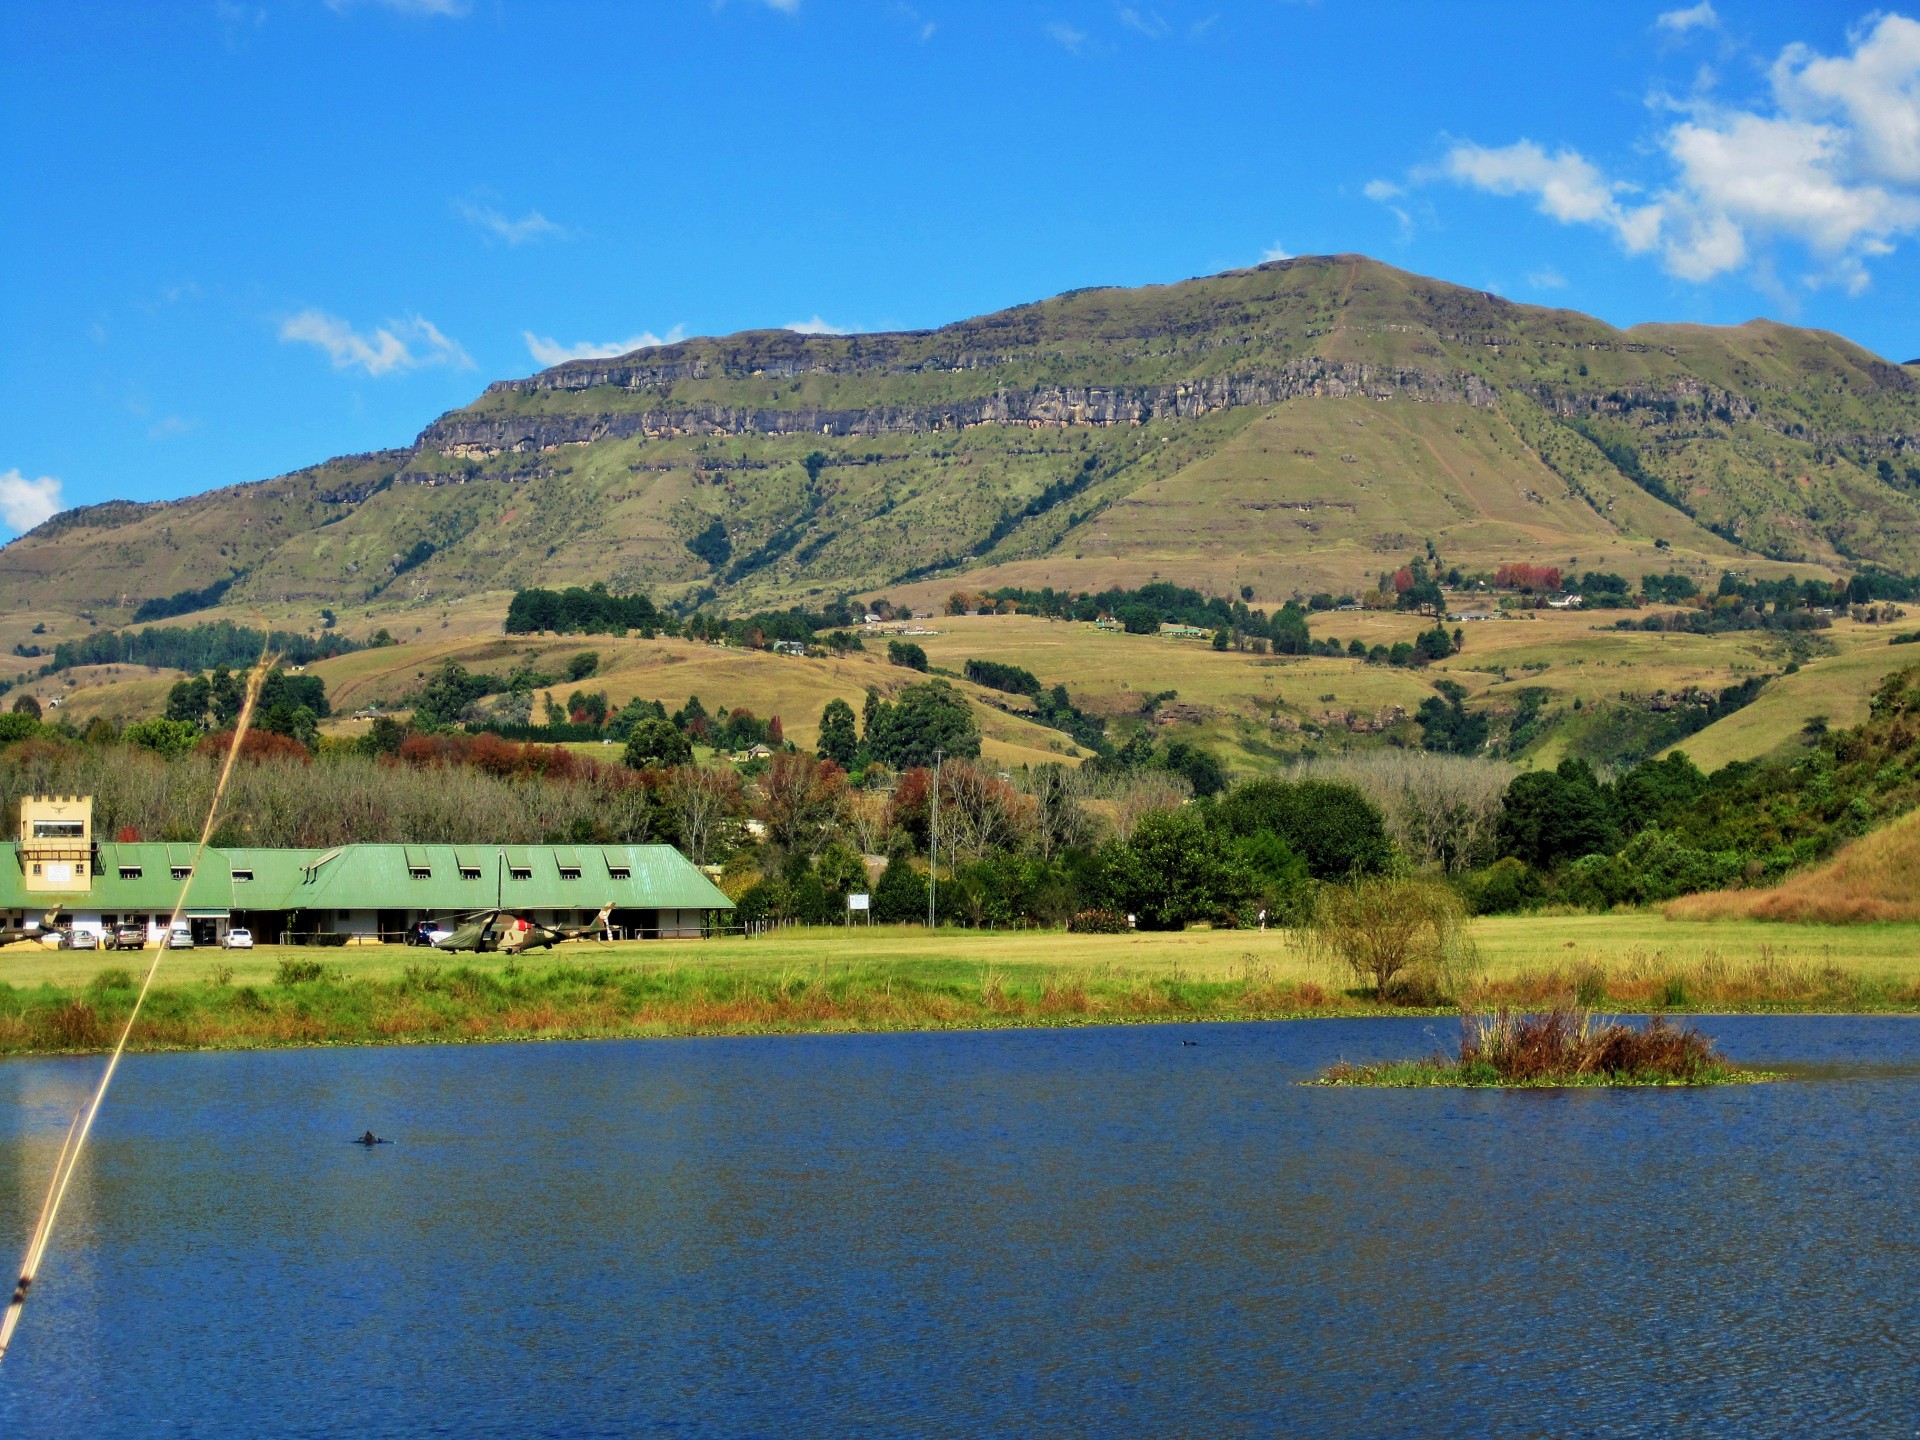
(367, 893)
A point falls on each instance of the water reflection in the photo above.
(1100, 1232)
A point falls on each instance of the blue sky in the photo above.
(239, 237)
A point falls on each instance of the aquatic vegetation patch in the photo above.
(1566, 1045)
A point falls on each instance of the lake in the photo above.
(1069, 1232)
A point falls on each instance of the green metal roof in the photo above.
(148, 886)
(380, 877)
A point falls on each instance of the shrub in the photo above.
(1395, 931)
(1504, 887)
(299, 972)
(1564, 1043)
(1098, 922)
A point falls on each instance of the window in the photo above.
(59, 830)
(80, 868)
(346, 914)
(620, 872)
(420, 872)
(36, 867)
(469, 872)
(569, 872)
(180, 872)
(241, 875)
(130, 872)
(519, 872)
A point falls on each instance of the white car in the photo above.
(238, 938)
(180, 938)
(82, 940)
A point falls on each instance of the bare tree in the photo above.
(980, 812)
(1140, 793)
(803, 801)
(702, 799)
(1061, 820)
(1442, 810)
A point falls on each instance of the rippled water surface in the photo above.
(1080, 1232)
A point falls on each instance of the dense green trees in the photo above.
(1176, 868)
(925, 721)
(654, 743)
(1334, 829)
(1552, 816)
(580, 610)
(839, 740)
(1446, 725)
(906, 653)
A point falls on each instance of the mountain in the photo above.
(1297, 426)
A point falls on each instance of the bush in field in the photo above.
(1098, 922)
(1396, 933)
(1503, 888)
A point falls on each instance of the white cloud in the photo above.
(1874, 93)
(1566, 185)
(1274, 252)
(1066, 36)
(785, 7)
(1149, 24)
(410, 343)
(25, 503)
(548, 351)
(817, 326)
(167, 426)
(1830, 163)
(1547, 278)
(1694, 17)
(1381, 190)
(530, 226)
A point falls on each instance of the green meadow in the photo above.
(903, 978)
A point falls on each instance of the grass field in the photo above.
(905, 978)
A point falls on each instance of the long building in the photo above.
(368, 893)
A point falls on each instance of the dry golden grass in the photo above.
(1874, 879)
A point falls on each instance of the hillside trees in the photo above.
(925, 721)
(839, 739)
(654, 743)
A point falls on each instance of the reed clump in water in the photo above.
(1565, 1045)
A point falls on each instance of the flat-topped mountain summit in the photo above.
(1296, 426)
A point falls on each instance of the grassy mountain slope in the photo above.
(1870, 879)
(1287, 429)
(1297, 426)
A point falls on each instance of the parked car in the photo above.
(239, 938)
(180, 938)
(130, 937)
(428, 932)
(81, 940)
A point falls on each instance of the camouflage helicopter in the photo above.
(502, 932)
(42, 930)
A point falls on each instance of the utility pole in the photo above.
(933, 849)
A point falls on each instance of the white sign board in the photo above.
(859, 902)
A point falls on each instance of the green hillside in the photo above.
(1292, 427)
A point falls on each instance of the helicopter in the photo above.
(502, 932)
(42, 929)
